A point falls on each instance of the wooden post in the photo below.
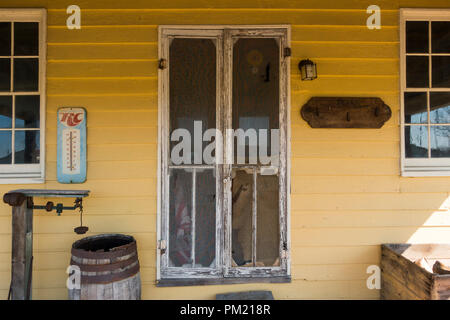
(22, 250)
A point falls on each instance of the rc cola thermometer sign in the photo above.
(71, 145)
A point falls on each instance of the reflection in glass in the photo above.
(5, 38)
(5, 112)
(416, 141)
(27, 147)
(268, 224)
(440, 36)
(440, 141)
(5, 75)
(417, 37)
(417, 72)
(242, 214)
(416, 107)
(205, 218)
(27, 111)
(26, 75)
(256, 87)
(441, 72)
(192, 91)
(440, 107)
(26, 38)
(180, 223)
(5, 147)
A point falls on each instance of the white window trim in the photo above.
(211, 31)
(415, 167)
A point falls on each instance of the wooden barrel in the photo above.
(109, 268)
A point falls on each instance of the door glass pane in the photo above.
(180, 218)
(27, 111)
(441, 72)
(5, 112)
(417, 72)
(242, 237)
(5, 147)
(268, 224)
(5, 38)
(440, 141)
(205, 218)
(5, 75)
(192, 95)
(440, 31)
(256, 87)
(26, 147)
(26, 75)
(416, 107)
(440, 107)
(26, 38)
(416, 139)
(417, 37)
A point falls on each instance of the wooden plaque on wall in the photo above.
(332, 112)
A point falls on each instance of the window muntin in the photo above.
(425, 92)
(218, 111)
(22, 98)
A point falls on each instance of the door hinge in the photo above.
(162, 246)
(287, 52)
(162, 64)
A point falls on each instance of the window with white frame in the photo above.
(223, 213)
(22, 95)
(425, 91)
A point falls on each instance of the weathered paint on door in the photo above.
(347, 196)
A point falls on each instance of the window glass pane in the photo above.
(416, 141)
(440, 141)
(26, 147)
(441, 72)
(5, 112)
(205, 218)
(440, 107)
(180, 218)
(268, 223)
(256, 87)
(440, 36)
(26, 75)
(416, 107)
(27, 111)
(417, 37)
(5, 38)
(417, 72)
(26, 38)
(5, 74)
(192, 91)
(5, 147)
(242, 236)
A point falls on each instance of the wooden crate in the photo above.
(402, 279)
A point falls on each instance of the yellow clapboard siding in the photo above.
(105, 103)
(336, 66)
(367, 236)
(339, 184)
(340, 49)
(110, 170)
(391, 218)
(102, 34)
(131, 119)
(317, 255)
(343, 33)
(146, 50)
(115, 135)
(370, 201)
(346, 84)
(305, 4)
(227, 16)
(330, 272)
(344, 167)
(107, 68)
(344, 149)
(303, 132)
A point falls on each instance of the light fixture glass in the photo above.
(308, 69)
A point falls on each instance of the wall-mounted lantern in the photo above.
(308, 69)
